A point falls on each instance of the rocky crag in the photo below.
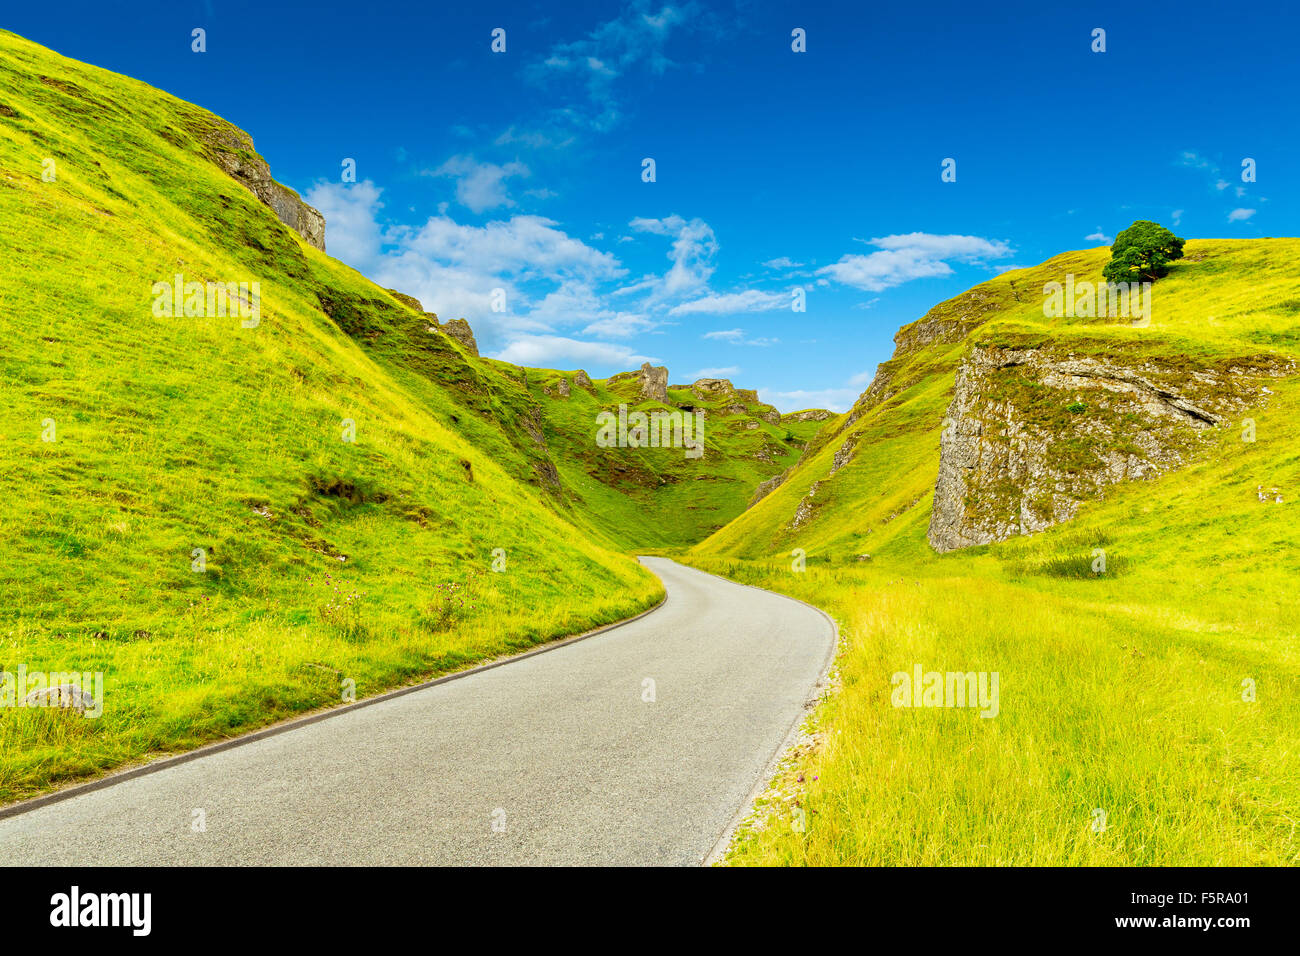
(1031, 433)
(232, 149)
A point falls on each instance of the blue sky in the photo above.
(775, 170)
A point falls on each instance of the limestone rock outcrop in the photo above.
(1031, 433)
(232, 149)
(457, 329)
(710, 387)
(652, 382)
(808, 415)
(766, 488)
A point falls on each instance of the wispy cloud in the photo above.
(551, 351)
(727, 303)
(550, 280)
(916, 255)
(1101, 237)
(621, 325)
(637, 38)
(691, 253)
(1240, 215)
(1194, 160)
(738, 337)
(727, 372)
(836, 399)
(480, 186)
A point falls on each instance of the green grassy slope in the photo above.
(1228, 300)
(326, 560)
(658, 498)
(1122, 692)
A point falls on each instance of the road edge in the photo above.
(768, 774)
(294, 723)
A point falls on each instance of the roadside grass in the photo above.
(1120, 692)
(247, 667)
(1134, 712)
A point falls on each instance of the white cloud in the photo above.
(836, 399)
(738, 337)
(782, 262)
(693, 247)
(1177, 215)
(480, 186)
(727, 372)
(916, 255)
(551, 351)
(533, 139)
(1240, 215)
(1100, 236)
(620, 325)
(350, 212)
(529, 246)
(751, 300)
(550, 279)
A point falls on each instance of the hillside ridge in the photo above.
(993, 420)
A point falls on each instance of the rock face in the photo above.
(408, 300)
(808, 415)
(766, 488)
(582, 380)
(459, 330)
(708, 387)
(843, 455)
(232, 149)
(652, 382)
(805, 509)
(1029, 434)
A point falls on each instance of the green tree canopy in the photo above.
(1142, 253)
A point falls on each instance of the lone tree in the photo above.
(1142, 253)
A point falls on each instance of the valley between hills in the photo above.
(231, 521)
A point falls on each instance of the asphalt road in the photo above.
(552, 759)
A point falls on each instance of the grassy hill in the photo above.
(1230, 306)
(659, 498)
(183, 509)
(1126, 687)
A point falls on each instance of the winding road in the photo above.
(638, 745)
